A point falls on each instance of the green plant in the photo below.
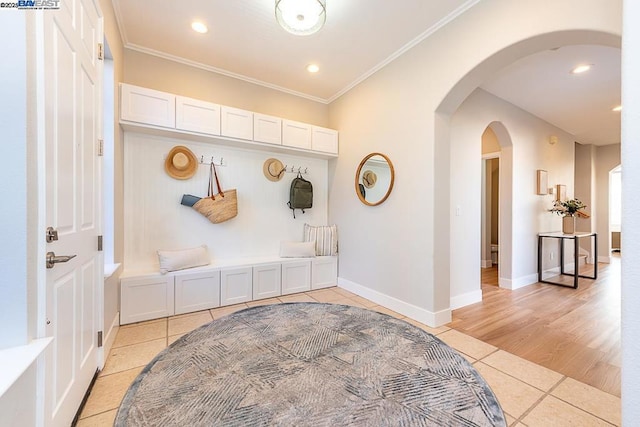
(569, 207)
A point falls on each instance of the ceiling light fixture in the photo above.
(301, 17)
(313, 68)
(581, 69)
(199, 27)
(616, 109)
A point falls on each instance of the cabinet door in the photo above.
(296, 277)
(324, 272)
(236, 285)
(236, 123)
(325, 140)
(296, 134)
(148, 106)
(145, 298)
(267, 129)
(266, 281)
(197, 291)
(197, 116)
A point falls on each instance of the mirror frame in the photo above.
(392, 172)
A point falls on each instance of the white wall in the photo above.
(403, 111)
(18, 403)
(630, 208)
(155, 219)
(529, 211)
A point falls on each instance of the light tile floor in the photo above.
(530, 395)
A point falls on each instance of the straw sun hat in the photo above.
(273, 169)
(181, 163)
(369, 178)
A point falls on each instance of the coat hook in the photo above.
(201, 160)
(221, 161)
(305, 170)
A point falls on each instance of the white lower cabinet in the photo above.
(236, 285)
(324, 272)
(197, 291)
(146, 298)
(296, 276)
(266, 281)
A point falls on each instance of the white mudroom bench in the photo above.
(147, 294)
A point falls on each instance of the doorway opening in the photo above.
(490, 250)
(615, 210)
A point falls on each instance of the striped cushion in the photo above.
(326, 238)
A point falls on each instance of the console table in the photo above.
(576, 252)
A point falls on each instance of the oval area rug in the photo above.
(309, 364)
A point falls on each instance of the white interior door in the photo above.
(71, 73)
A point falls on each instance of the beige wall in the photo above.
(169, 76)
(490, 142)
(404, 110)
(607, 158)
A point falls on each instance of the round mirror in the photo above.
(374, 179)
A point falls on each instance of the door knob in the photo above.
(52, 259)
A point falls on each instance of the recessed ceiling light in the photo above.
(199, 27)
(313, 68)
(618, 108)
(581, 69)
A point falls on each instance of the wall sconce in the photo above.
(553, 140)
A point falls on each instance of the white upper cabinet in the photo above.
(197, 116)
(153, 111)
(296, 134)
(237, 123)
(267, 129)
(147, 106)
(323, 139)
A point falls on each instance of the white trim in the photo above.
(489, 156)
(435, 27)
(212, 69)
(441, 23)
(110, 269)
(466, 299)
(16, 360)
(518, 283)
(605, 259)
(421, 315)
(487, 263)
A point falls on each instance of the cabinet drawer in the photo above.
(324, 272)
(266, 281)
(197, 116)
(197, 291)
(296, 277)
(236, 285)
(296, 134)
(147, 106)
(325, 140)
(236, 123)
(145, 298)
(267, 129)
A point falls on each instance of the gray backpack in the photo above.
(300, 194)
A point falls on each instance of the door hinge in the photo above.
(100, 51)
(101, 147)
(100, 243)
(99, 338)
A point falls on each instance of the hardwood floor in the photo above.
(572, 331)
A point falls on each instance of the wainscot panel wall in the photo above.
(155, 219)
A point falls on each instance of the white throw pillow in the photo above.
(297, 249)
(325, 236)
(180, 259)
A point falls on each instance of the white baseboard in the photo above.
(487, 263)
(520, 282)
(466, 299)
(605, 259)
(416, 313)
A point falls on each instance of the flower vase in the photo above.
(568, 224)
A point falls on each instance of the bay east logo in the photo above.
(38, 4)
